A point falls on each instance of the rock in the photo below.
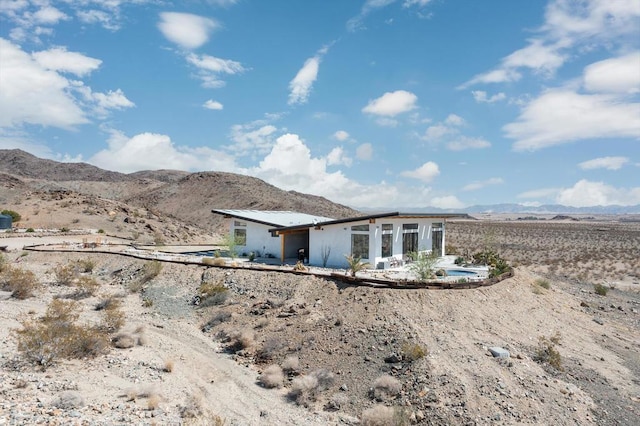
(499, 352)
(68, 399)
(393, 358)
(598, 321)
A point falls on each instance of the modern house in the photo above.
(379, 239)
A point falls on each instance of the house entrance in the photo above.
(436, 239)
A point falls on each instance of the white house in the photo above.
(377, 239)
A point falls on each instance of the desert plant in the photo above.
(112, 318)
(230, 244)
(601, 290)
(213, 261)
(212, 294)
(271, 377)
(381, 415)
(299, 266)
(85, 287)
(543, 283)
(355, 264)
(459, 260)
(325, 252)
(15, 216)
(324, 377)
(100, 231)
(64, 229)
(168, 366)
(57, 335)
(546, 352)
(65, 274)
(291, 364)
(304, 389)
(385, 387)
(30, 230)
(240, 340)
(21, 283)
(423, 265)
(217, 319)
(413, 351)
(269, 348)
(86, 265)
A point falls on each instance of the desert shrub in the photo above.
(101, 231)
(413, 351)
(168, 366)
(112, 318)
(153, 402)
(240, 340)
(214, 261)
(304, 389)
(57, 335)
(291, 364)
(299, 266)
(459, 260)
(212, 294)
(30, 230)
(252, 256)
(450, 249)
(64, 229)
(500, 267)
(15, 216)
(385, 387)
(543, 283)
(67, 400)
(546, 352)
(271, 377)
(217, 319)
(381, 415)
(355, 264)
(601, 290)
(85, 287)
(151, 270)
(324, 377)
(65, 274)
(108, 303)
(423, 265)
(269, 348)
(86, 265)
(192, 407)
(124, 341)
(21, 283)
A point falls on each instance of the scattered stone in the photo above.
(598, 321)
(499, 352)
(393, 358)
(68, 399)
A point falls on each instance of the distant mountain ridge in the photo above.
(515, 208)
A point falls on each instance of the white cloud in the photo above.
(103, 102)
(420, 3)
(214, 105)
(585, 193)
(479, 184)
(341, 135)
(337, 157)
(185, 29)
(620, 75)
(568, 24)
(31, 94)
(356, 23)
(426, 173)
(461, 143)
(481, 97)
(610, 163)
(301, 85)
(540, 193)
(446, 202)
(364, 152)
(392, 103)
(437, 132)
(59, 59)
(255, 138)
(151, 151)
(209, 68)
(48, 15)
(559, 116)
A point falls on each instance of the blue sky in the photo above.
(371, 103)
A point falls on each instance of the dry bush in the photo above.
(153, 402)
(212, 294)
(271, 377)
(112, 317)
(291, 364)
(124, 341)
(150, 270)
(67, 400)
(385, 387)
(543, 283)
(65, 274)
(546, 352)
(57, 335)
(85, 287)
(86, 265)
(109, 302)
(168, 366)
(217, 319)
(601, 290)
(381, 415)
(413, 351)
(21, 283)
(192, 407)
(304, 389)
(269, 348)
(213, 261)
(240, 340)
(325, 378)
(336, 402)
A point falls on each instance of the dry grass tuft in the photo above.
(21, 283)
(385, 387)
(291, 364)
(381, 415)
(168, 366)
(124, 341)
(413, 351)
(271, 377)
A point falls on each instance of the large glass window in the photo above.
(409, 238)
(360, 245)
(387, 240)
(240, 236)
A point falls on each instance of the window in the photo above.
(387, 240)
(364, 228)
(240, 236)
(237, 223)
(409, 238)
(360, 245)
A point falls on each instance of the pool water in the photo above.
(460, 273)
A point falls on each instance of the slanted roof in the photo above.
(273, 218)
(374, 216)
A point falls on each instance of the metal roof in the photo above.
(273, 218)
(374, 216)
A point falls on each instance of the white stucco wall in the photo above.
(259, 239)
(338, 238)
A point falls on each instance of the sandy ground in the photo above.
(349, 331)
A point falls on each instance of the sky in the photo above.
(385, 104)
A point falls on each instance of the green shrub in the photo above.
(65, 274)
(423, 265)
(86, 265)
(459, 260)
(546, 352)
(30, 230)
(355, 264)
(15, 216)
(601, 290)
(212, 294)
(21, 283)
(64, 229)
(543, 283)
(413, 351)
(100, 231)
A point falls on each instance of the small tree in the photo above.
(355, 264)
(424, 264)
(15, 216)
(325, 251)
(230, 243)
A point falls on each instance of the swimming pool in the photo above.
(461, 273)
